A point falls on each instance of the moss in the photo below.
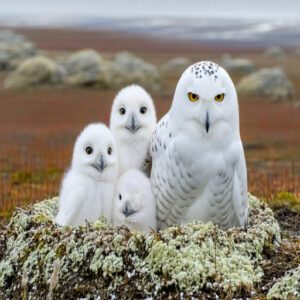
(286, 200)
(288, 287)
(100, 260)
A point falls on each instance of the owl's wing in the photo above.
(160, 138)
(159, 143)
(240, 197)
(227, 194)
(70, 207)
(172, 182)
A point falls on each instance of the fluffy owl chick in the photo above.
(88, 187)
(134, 203)
(132, 122)
(198, 163)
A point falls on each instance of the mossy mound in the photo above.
(288, 287)
(39, 259)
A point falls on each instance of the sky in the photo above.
(264, 22)
(47, 9)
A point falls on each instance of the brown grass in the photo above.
(38, 129)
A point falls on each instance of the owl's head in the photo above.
(205, 95)
(133, 191)
(95, 153)
(133, 114)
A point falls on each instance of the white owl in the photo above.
(134, 203)
(88, 187)
(198, 163)
(132, 122)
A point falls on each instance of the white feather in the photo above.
(88, 187)
(198, 164)
(132, 122)
(134, 203)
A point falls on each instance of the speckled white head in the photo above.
(205, 95)
(95, 152)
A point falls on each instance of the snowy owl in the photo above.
(134, 203)
(198, 163)
(88, 187)
(132, 122)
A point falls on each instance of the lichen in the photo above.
(112, 264)
(288, 287)
(99, 259)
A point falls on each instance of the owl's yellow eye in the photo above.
(193, 97)
(220, 97)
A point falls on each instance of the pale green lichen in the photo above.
(112, 264)
(99, 259)
(205, 253)
(288, 287)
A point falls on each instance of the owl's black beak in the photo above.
(207, 124)
(127, 210)
(101, 165)
(132, 125)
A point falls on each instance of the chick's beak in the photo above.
(128, 210)
(132, 123)
(100, 165)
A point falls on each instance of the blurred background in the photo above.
(62, 62)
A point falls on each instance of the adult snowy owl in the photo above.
(134, 203)
(198, 164)
(88, 187)
(132, 122)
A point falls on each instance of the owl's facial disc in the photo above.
(205, 92)
(205, 101)
(97, 157)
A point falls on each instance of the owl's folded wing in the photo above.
(227, 194)
(240, 198)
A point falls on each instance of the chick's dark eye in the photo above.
(120, 196)
(109, 150)
(89, 150)
(122, 111)
(143, 110)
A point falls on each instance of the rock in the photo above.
(40, 258)
(239, 66)
(296, 104)
(269, 82)
(176, 65)
(85, 68)
(288, 287)
(34, 71)
(14, 48)
(275, 52)
(127, 69)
